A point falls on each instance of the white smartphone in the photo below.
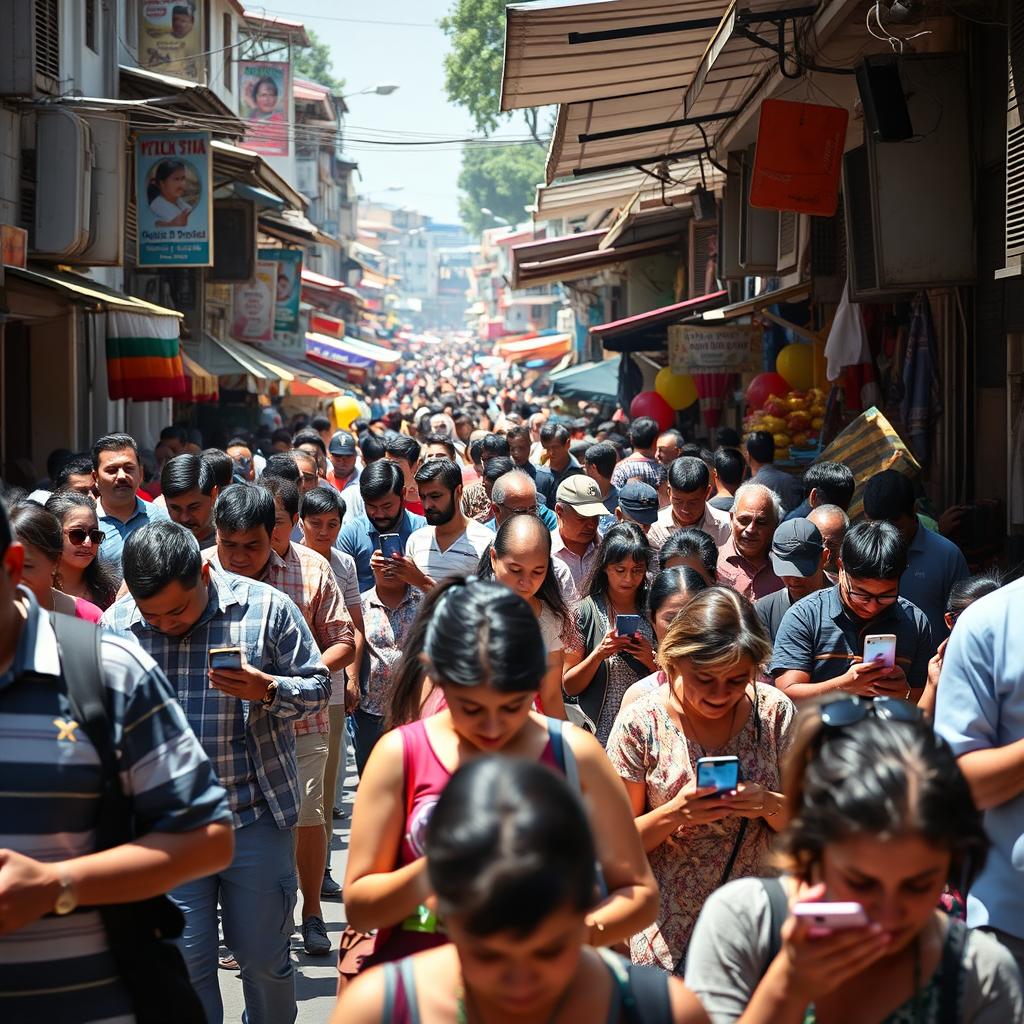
(880, 647)
(831, 917)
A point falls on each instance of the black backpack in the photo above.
(151, 968)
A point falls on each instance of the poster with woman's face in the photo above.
(252, 313)
(265, 89)
(171, 36)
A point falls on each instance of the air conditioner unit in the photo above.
(31, 61)
(729, 268)
(759, 229)
(788, 256)
(703, 258)
(828, 256)
(64, 164)
(107, 196)
(909, 205)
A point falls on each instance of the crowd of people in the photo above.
(644, 731)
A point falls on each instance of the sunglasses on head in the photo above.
(837, 714)
(78, 536)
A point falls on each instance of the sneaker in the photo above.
(329, 888)
(314, 936)
(337, 813)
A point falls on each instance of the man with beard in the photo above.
(381, 486)
(117, 469)
(450, 544)
(189, 489)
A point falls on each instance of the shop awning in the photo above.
(535, 300)
(646, 332)
(348, 351)
(223, 357)
(563, 51)
(293, 226)
(88, 292)
(311, 379)
(144, 84)
(577, 197)
(543, 347)
(202, 385)
(792, 293)
(737, 58)
(232, 163)
(597, 381)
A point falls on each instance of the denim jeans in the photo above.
(257, 899)
(366, 730)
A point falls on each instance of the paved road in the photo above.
(316, 978)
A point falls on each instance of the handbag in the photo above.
(151, 968)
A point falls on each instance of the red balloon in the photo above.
(650, 403)
(763, 386)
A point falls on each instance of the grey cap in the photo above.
(342, 443)
(639, 501)
(796, 548)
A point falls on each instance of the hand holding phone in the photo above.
(627, 625)
(390, 545)
(723, 773)
(880, 648)
(826, 918)
(225, 657)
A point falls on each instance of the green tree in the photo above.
(501, 179)
(472, 67)
(315, 63)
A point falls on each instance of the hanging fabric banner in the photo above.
(144, 357)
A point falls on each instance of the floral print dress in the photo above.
(648, 746)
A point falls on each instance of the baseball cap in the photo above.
(796, 548)
(639, 501)
(342, 443)
(582, 494)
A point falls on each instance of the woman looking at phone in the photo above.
(698, 837)
(880, 817)
(482, 646)
(612, 658)
(511, 859)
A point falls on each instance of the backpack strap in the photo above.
(561, 748)
(951, 974)
(643, 992)
(778, 908)
(78, 643)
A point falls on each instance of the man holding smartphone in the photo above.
(178, 609)
(820, 643)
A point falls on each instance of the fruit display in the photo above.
(793, 419)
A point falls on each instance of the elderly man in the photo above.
(832, 523)
(668, 447)
(514, 492)
(798, 556)
(579, 509)
(743, 561)
(689, 482)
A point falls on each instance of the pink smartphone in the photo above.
(831, 917)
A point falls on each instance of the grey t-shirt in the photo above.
(729, 949)
(770, 610)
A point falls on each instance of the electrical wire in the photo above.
(353, 21)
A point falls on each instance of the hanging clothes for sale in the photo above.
(922, 397)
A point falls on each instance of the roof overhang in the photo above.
(646, 332)
(748, 307)
(578, 197)
(292, 226)
(84, 290)
(143, 84)
(294, 31)
(233, 162)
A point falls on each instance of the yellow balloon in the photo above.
(678, 389)
(346, 409)
(795, 364)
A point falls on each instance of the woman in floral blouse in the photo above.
(697, 839)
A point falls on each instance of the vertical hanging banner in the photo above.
(265, 89)
(171, 37)
(172, 197)
(288, 287)
(252, 306)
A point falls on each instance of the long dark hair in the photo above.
(508, 845)
(100, 575)
(623, 541)
(877, 777)
(550, 593)
(32, 524)
(467, 632)
(163, 171)
(669, 582)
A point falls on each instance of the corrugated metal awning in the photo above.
(578, 197)
(646, 332)
(564, 51)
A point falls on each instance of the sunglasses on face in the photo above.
(78, 536)
(837, 714)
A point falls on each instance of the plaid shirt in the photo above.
(251, 745)
(307, 578)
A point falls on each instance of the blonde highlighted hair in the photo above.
(717, 628)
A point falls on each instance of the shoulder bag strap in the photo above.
(562, 750)
(408, 977)
(951, 975)
(778, 908)
(387, 1013)
(643, 996)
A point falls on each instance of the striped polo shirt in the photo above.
(59, 968)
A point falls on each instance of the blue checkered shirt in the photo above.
(251, 745)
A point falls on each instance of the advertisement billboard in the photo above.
(252, 307)
(287, 289)
(171, 38)
(265, 89)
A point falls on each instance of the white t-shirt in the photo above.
(164, 209)
(461, 559)
(550, 630)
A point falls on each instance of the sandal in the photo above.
(228, 963)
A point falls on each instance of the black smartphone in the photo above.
(390, 545)
(225, 657)
(627, 625)
(721, 772)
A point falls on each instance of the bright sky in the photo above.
(394, 41)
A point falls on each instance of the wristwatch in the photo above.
(268, 697)
(67, 898)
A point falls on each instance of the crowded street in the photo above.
(511, 513)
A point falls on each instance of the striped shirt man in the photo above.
(60, 968)
(252, 746)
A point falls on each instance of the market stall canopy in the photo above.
(202, 385)
(88, 292)
(779, 296)
(293, 226)
(646, 332)
(337, 289)
(563, 51)
(232, 163)
(597, 382)
(349, 351)
(223, 357)
(543, 347)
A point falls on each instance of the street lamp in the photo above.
(494, 216)
(381, 89)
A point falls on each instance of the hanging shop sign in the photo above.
(171, 38)
(265, 88)
(695, 348)
(172, 189)
(287, 287)
(252, 305)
